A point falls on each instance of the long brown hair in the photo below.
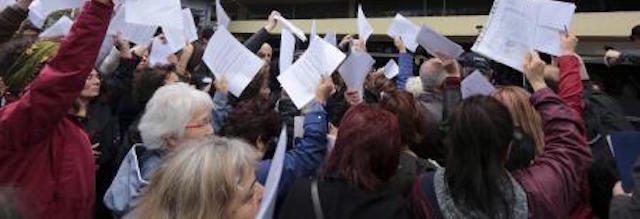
(523, 113)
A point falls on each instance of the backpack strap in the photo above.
(315, 197)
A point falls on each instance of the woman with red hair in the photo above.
(353, 182)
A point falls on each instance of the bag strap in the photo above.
(315, 197)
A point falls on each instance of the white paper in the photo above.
(313, 29)
(298, 127)
(221, 16)
(404, 28)
(516, 27)
(175, 38)
(295, 30)
(476, 84)
(160, 51)
(268, 203)
(302, 78)
(331, 142)
(434, 43)
(190, 29)
(355, 69)
(39, 10)
(287, 48)
(364, 28)
(391, 70)
(165, 13)
(59, 28)
(228, 58)
(105, 49)
(331, 38)
(5, 3)
(136, 33)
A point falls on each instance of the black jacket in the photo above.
(628, 207)
(339, 200)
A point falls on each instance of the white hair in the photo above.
(414, 86)
(169, 111)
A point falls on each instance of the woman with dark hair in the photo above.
(258, 124)
(354, 179)
(476, 184)
(412, 131)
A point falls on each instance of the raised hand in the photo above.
(222, 86)
(325, 89)
(399, 43)
(568, 43)
(534, 70)
(272, 22)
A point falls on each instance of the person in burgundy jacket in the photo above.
(549, 188)
(44, 154)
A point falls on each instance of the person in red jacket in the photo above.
(44, 154)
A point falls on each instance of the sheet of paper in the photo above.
(37, 14)
(312, 31)
(5, 3)
(331, 143)
(624, 147)
(228, 58)
(404, 28)
(391, 69)
(355, 69)
(175, 38)
(295, 30)
(39, 10)
(516, 27)
(190, 29)
(270, 194)
(331, 38)
(287, 48)
(476, 84)
(364, 28)
(105, 49)
(59, 28)
(302, 78)
(435, 43)
(165, 13)
(160, 51)
(298, 127)
(136, 33)
(221, 16)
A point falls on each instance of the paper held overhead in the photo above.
(136, 33)
(476, 84)
(228, 58)
(160, 52)
(331, 38)
(165, 13)
(221, 15)
(313, 29)
(515, 27)
(437, 45)
(268, 203)
(292, 28)
(190, 29)
(39, 10)
(287, 48)
(175, 38)
(302, 78)
(355, 69)
(391, 69)
(58, 29)
(5, 3)
(364, 28)
(404, 28)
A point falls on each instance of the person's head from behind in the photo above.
(258, 88)
(375, 84)
(21, 61)
(529, 138)
(176, 113)
(635, 35)
(410, 117)
(478, 141)
(432, 74)
(253, 121)
(208, 178)
(148, 79)
(367, 147)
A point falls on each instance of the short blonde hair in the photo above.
(199, 180)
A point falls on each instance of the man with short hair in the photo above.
(614, 57)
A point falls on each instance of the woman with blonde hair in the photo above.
(528, 135)
(208, 178)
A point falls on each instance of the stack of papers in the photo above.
(302, 78)
(436, 44)
(391, 70)
(355, 68)
(404, 28)
(228, 58)
(273, 179)
(516, 27)
(59, 29)
(476, 84)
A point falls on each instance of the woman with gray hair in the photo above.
(175, 114)
(209, 178)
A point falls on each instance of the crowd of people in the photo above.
(121, 138)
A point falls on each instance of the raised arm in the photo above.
(570, 87)
(52, 93)
(221, 107)
(553, 181)
(11, 18)
(405, 63)
(257, 39)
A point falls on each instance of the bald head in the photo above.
(432, 74)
